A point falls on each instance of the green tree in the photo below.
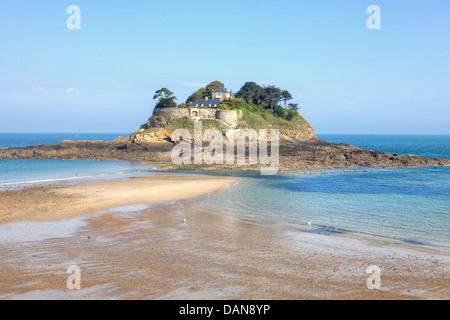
(196, 95)
(228, 104)
(279, 111)
(242, 104)
(293, 106)
(211, 87)
(271, 95)
(166, 99)
(250, 92)
(205, 91)
(286, 96)
(183, 105)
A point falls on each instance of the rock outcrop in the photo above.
(301, 154)
(299, 147)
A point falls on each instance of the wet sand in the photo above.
(171, 250)
(60, 202)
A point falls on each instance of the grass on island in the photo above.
(182, 123)
(266, 119)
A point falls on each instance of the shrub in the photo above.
(254, 107)
(291, 114)
(279, 111)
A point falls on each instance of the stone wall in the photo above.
(171, 113)
(228, 117)
(200, 113)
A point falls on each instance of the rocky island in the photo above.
(253, 107)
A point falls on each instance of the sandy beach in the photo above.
(142, 239)
(61, 202)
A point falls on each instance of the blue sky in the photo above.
(347, 78)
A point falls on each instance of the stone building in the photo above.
(218, 95)
(228, 118)
(221, 93)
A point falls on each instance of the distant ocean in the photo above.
(19, 140)
(434, 146)
(409, 207)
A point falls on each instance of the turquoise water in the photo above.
(398, 206)
(16, 173)
(401, 206)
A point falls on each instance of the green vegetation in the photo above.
(250, 97)
(263, 97)
(204, 92)
(183, 105)
(264, 101)
(291, 114)
(260, 106)
(279, 112)
(267, 119)
(166, 99)
(285, 96)
(210, 124)
(182, 123)
(251, 93)
(293, 107)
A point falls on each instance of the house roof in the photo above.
(220, 89)
(203, 102)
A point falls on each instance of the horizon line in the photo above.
(327, 133)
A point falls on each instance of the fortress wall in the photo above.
(207, 113)
(229, 117)
(171, 113)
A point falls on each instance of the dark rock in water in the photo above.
(414, 242)
(318, 154)
(326, 230)
(300, 154)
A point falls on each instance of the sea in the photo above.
(18, 173)
(401, 206)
